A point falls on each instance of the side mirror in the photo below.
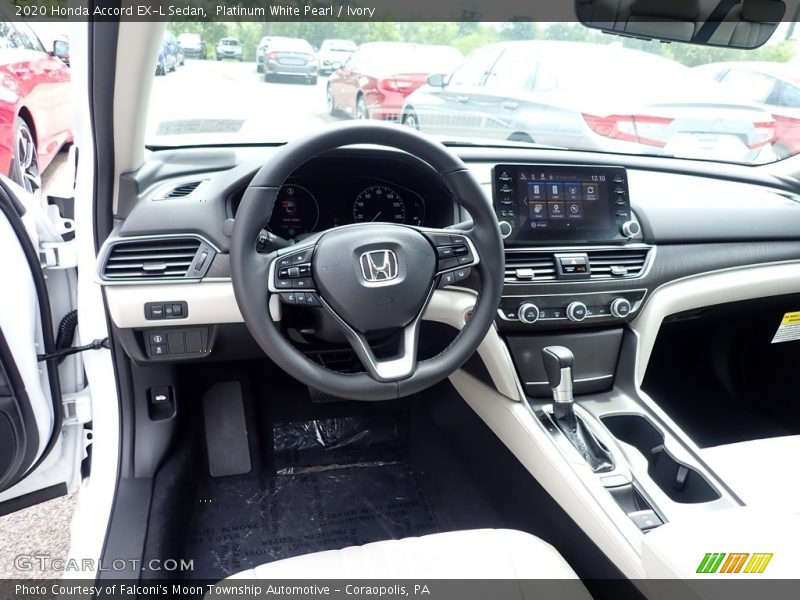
(61, 50)
(437, 80)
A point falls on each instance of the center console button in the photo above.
(528, 313)
(576, 311)
(620, 308)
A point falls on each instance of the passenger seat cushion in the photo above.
(760, 472)
(471, 554)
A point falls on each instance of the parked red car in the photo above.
(374, 82)
(35, 104)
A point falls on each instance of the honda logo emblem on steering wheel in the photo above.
(378, 266)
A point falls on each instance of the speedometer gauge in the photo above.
(379, 203)
(295, 212)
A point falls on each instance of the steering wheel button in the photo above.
(312, 300)
(300, 298)
(302, 282)
(285, 261)
(283, 273)
(304, 270)
(447, 263)
(293, 272)
(447, 279)
(460, 250)
(465, 260)
(462, 274)
(289, 298)
(441, 240)
(445, 251)
(301, 257)
(283, 284)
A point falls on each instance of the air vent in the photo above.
(531, 265)
(617, 264)
(180, 191)
(166, 258)
(523, 266)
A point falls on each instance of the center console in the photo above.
(577, 271)
(568, 225)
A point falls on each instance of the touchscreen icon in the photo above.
(590, 192)
(573, 191)
(555, 192)
(556, 210)
(574, 210)
(538, 211)
(536, 191)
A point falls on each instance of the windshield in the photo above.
(559, 85)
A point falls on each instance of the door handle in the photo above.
(510, 105)
(462, 99)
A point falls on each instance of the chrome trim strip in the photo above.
(580, 380)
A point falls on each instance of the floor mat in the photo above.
(335, 483)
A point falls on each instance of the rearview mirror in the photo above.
(436, 80)
(61, 50)
(729, 23)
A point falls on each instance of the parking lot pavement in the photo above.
(234, 91)
(39, 530)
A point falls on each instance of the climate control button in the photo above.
(620, 308)
(576, 311)
(528, 313)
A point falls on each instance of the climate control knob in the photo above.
(620, 307)
(576, 311)
(528, 313)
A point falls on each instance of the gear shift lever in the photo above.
(558, 364)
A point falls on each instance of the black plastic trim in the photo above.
(37, 497)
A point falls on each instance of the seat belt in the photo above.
(716, 17)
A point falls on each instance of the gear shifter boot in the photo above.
(580, 436)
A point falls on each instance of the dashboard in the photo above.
(639, 224)
(329, 193)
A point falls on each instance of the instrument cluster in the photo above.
(299, 210)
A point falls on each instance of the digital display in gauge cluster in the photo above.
(296, 212)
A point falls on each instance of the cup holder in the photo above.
(681, 483)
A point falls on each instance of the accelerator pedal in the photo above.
(226, 430)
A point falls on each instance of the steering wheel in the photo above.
(370, 277)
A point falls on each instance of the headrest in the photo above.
(683, 10)
(763, 11)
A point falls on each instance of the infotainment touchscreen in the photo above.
(561, 203)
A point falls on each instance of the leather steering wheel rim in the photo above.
(250, 270)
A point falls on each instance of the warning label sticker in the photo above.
(789, 328)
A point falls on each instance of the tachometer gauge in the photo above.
(295, 212)
(379, 203)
